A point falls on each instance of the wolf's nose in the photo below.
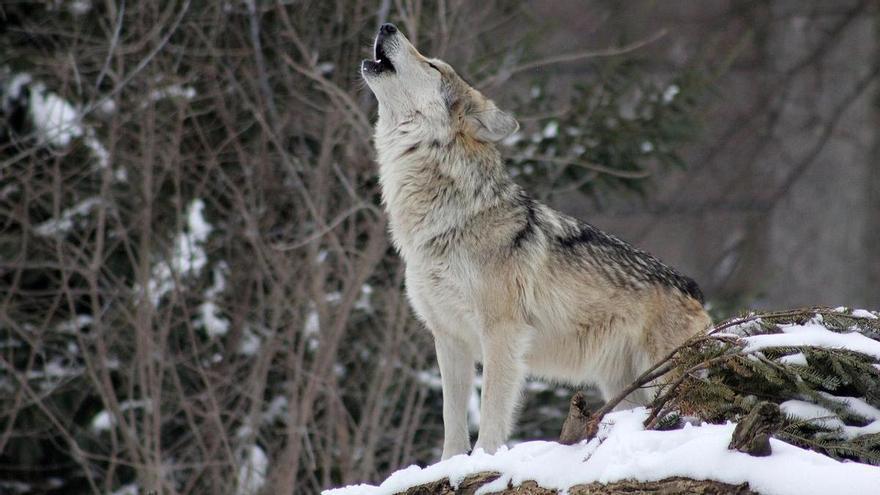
(387, 28)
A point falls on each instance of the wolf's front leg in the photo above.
(457, 377)
(503, 374)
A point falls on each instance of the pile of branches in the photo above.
(820, 396)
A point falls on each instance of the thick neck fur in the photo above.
(435, 179)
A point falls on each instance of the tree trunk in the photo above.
(668, 486)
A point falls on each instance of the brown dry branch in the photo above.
(201, 278)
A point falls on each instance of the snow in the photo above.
(363, 303)
(326, 68)
(210, 317)
(623, 450)
(798, 359)
(277, 409)
(173, 91)
(55, 119)
(512, 139)
(75, 324)
(252, 473)
(189, 257)
(856, 405)
(813, 334)
(862, 313)
(98, 150)
(670, 93)
(80, 7)
(551, 130)
(104, 420)
(811, 412)
(250, 343)
(826, 418)
(130, 489)
(64, 223)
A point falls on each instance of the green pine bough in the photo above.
(820, 366)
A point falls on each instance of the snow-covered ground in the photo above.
(624, 450)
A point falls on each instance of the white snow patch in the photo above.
(811, 412)
(429, 378)
(861, 408)
(252, 473)
(322, 256)
(64, 223)
(104, 420)
(670, 93)
(130, 489)
(863, 313)
(826, 418)
(79, 7)
(74, 324)
(856, 405)
(798, 359)
(551, 130)
(173, 91)
(326, 68)
(512, 139)
(13, 86)
(189, 255)
(107, 107)
(813, 334)
(55, 119)
(363, 303)
(210, 317)
(312, 328)
(624, 450)
(277, 409)
(250, 343)
(99, 151)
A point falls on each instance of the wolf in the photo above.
(496, 276)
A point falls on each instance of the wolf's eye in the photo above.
(433, 66)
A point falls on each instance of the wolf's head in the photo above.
(409, 85)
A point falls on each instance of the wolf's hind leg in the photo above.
(457, 378)
(631, 367)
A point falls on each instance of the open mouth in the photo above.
(382, 59)
(381, 63)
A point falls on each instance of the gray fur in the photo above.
(498, 277)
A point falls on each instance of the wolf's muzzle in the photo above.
(381, 63)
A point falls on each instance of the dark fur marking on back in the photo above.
(528, 229)
(621, 262)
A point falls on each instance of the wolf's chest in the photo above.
(444, 292)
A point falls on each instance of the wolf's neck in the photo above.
(431, 186)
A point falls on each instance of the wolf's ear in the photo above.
(491, 124)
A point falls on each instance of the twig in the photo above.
(571, 57)
(625, 174)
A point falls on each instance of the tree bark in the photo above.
(668, 486)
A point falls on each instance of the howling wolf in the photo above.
(496, 276)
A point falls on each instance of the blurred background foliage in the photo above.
(197, 292)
